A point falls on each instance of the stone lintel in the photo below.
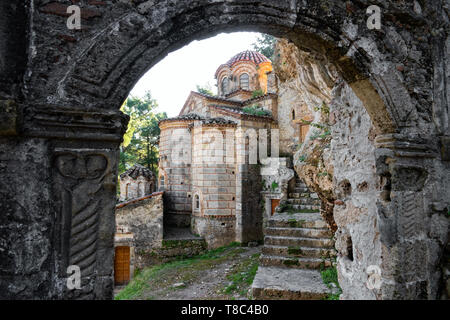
(74, 124)
(407, 146)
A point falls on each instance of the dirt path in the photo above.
(224, 273)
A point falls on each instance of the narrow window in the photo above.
(161, 183)
(244, 81)
(293, 114)
(225, 82)
(197, 202)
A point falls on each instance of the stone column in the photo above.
(411, 219)
(61, 168)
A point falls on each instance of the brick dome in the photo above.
(248, 55)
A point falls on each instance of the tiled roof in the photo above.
(217, 121)
(248, 55)
(123, 204)
(188, 116)
(136, 171)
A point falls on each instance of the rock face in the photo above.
(59, 143)
(307, 81)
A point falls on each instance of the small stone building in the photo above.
(136, 182)
(208, 169)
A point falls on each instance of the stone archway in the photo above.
(64, 126)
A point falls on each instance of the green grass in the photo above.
(144, 279)
(242, 276)
(295, 251)
(329, 275)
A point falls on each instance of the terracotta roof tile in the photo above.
(248, 55)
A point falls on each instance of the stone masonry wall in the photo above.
(175, 166)
(144, 219)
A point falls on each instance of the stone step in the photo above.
(297, 220)
(305, 207)
(292, 262)
(299, 242)
(297, 252)
(301, 190)
(298, 232)
(304, 201)
(299, 195)
(272, 283)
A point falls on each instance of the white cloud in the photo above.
(171, 80)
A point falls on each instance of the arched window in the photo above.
(293, 114)
(244, 81)
(197, 202)
(225, 85)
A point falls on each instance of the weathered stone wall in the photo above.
(213, 175)
(305, 85)
(175, 165)
(216, 230)
(353, 177)
(144, 219)
(249, 221)
(356, 186)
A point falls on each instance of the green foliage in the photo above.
(324, 108)
(329, 276)
(274, 185)
(257, 93)
(323, 174)
(295, 251)
(256, 111)
(206, 89)
(140, 143)
(291, 262)
(302, 158)
(242, 276)
(324, 128)
(265, 44)
(143, 279)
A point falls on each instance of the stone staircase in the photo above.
(301, 199)
(297, 244)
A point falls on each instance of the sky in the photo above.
(173, 78)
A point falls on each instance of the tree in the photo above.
(265, 44)
(140, 143)
(206, 89)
